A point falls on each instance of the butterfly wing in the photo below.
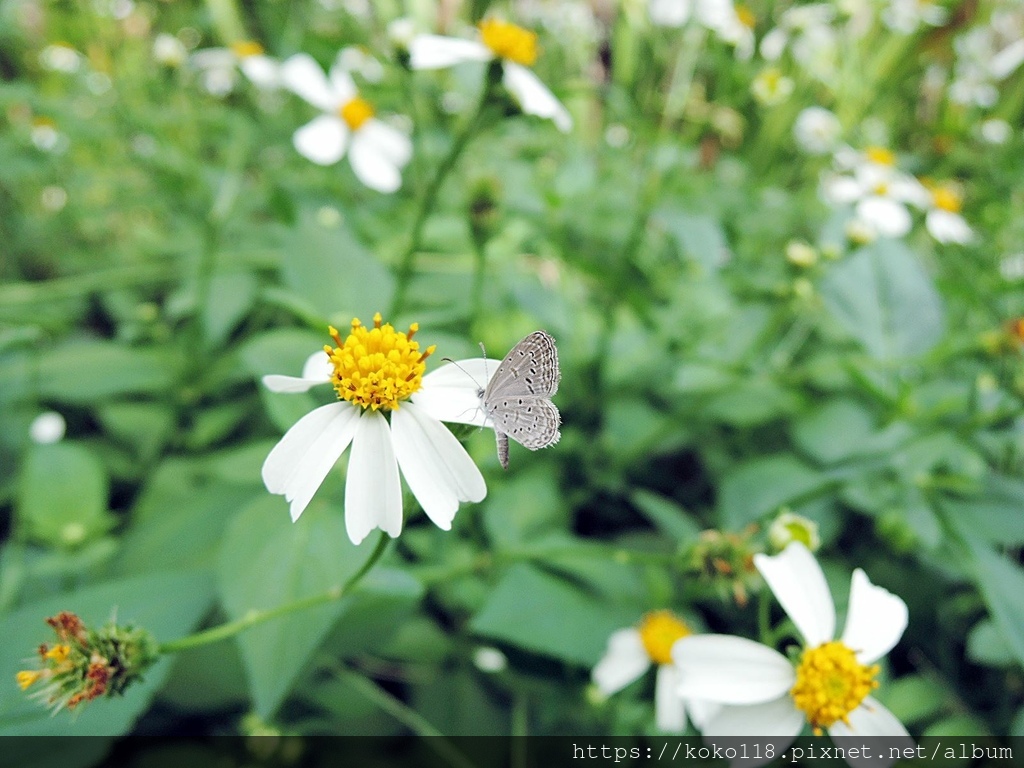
(531, 421)
(530, 368)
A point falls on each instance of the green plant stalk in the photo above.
(227, 20)
(428, 201)
(253, 618)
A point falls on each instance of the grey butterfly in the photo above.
(517, 400)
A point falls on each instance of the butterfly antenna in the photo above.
(479, 389)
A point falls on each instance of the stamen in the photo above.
(831, 683)
(509, 41)
(659, 631)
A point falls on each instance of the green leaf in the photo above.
(284, 352)
(885, 300)
(167, 604)
(842, 429)
(267, 561)
(541, 613)
(85, 371)
(912, 698)
(335, 273)
(62, 495)
(670, 518)
(230, 298)
(144, 426)
(524, 507)
(1001, 583)
(994, 514)
(986, 645)
(700, 236)
(762, 485)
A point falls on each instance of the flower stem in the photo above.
(429, 199)
(251, 619)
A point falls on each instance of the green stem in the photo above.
(251, 619)
(428, 201)
(226, 20)
(764, 628)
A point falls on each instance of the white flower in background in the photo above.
(572, 22)
(514, 46)
(47, 428)
(830, 686)
(807, 31)
(906, 16)
(488, 659)
(60, 57)
(817, 131)
(878, 192)
(633, 650)
(376, 151)
(401, 32)
(46, 137)
(169, 50)
(356, 59)
(943, 220)
(985, 56)
(376, 371)
(1011, 268)
(770, 87)
(733, 25)
(219, 67)
(995, 131)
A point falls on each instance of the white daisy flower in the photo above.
(830, 686)
(47, 428)
(734, 26)
(878, 192)
(906, 16)
(817, 130)
(943, 220)
(169, 50)
(514, 46)
(220, 66)
(376, 150)
(770, 87)
(376, 371)
(60, 57)
(633, 650)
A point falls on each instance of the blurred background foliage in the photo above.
(162, 247)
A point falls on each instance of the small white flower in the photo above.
(47, 428)
(878, 192)
(633, 650)
(764, 695)
(514, 46)
(995, 131)
(906, 16)
(770, 87)
(60, 57)
(943, 220)
(376, 151)
(381, 372)
(356, 59)
(169, 50)
(817, 130)
(220, 66)
(489, 659)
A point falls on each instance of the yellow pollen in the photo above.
(356, 112)
(947, 198)
(881, 189)
(830, 684)
(880, 156)
(243, 49)
(746, 16)
(377, 367)
(659, 631)
(509, 41)
(27, 677)
(58, 653)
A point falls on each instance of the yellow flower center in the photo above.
(377, 367)
(243, 49)
(947, 199)
(746, 16)
(830, 684)
(880, 156)
(27, 677)
(356, 112)
(659, 631)
(58, 653)
(509, 41)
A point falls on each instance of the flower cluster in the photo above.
(86, 664)
(733, 686)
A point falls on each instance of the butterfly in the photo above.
(517, 400)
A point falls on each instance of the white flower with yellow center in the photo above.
(377, 371)
(517, 50)
(943, 220)
(829, 688)
(906, 16)
(877, 190)
(633, 650)
(376, 150)
(771, 87)
(219, 67)
(733, 24)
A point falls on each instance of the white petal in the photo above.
(534, 97)
(289, 384)
(907, 189)
(372, 167)
(263, 71)
(318, 367)
(731, 670)
(702, 711)
(298, 464)
(888, 217)
(871, 719)
(342, 85)
(797, 582)
(774, 43)
(948, 227)
(669, 714)
(840, 190)
(373, 492)
(213, 58)
(436, 51)
(452, 392)
(875, 620)
(389, 142)
(303, 76)
(434, 464)
(322, 139)
(1003, 64)
(624, 661)
(669, 13)
(771, 718)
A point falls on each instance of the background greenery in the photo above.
(172, 248)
